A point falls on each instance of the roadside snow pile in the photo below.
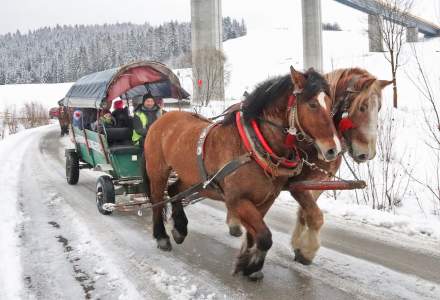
(364, 214)
(426, 225)
(12, 151)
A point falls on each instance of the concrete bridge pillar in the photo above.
(375, 37)
(412, 34)
(206, 40)
(312, 34)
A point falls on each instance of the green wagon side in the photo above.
(110, 150)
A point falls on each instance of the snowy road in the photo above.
(70, 251)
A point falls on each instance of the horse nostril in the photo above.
(362, 157)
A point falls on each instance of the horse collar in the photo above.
(261, 152)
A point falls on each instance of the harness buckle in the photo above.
(291, 130)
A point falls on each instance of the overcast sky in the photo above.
(32, 14)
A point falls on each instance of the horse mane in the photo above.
(271, 90)
(341, 78)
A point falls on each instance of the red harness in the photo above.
(290, 143)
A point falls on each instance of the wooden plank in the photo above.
(326, 185)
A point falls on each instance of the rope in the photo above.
(349, 167)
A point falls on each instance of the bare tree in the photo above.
(2, 128)
(393, 14)
(34, 114)
(430, 91)
(387, 186)
(424, 85)
(10, 119)
(209, 75)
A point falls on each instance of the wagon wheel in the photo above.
(72, 167)
(105, 193)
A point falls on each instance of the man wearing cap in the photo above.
(144, 115)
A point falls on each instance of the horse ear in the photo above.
(298, 79)
(367, 83)
(384, 83)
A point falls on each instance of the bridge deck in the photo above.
(374, 7)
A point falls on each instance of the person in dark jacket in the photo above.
(144, 115)
(120, 113)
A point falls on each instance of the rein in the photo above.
(294, 132)
(345, 123)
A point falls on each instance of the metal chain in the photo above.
(315, 167)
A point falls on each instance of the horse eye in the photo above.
(313, 104)
(363, 108)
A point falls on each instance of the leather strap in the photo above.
(200, 151)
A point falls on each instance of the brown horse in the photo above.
(63, 119)
(358, 98)
(249, 191)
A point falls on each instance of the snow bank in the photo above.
(12, 151)
(364, 214)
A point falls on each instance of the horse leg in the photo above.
(158, 179)
(300, 226)
(233, 224)
(180, 230)
(305, 238)
(258, 240)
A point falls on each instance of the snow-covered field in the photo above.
(19, 94)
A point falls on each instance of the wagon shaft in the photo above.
(327, 185)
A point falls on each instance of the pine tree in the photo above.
(65, 53)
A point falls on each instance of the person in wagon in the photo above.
(144, 115)
(105, 120)
(120, 114)
(77, 119)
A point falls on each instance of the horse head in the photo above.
(359, 98)
(313, 111)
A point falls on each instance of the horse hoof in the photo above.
(235, 231)
(164, 244)
(301, 259)
(178, 238)
(256, 276)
